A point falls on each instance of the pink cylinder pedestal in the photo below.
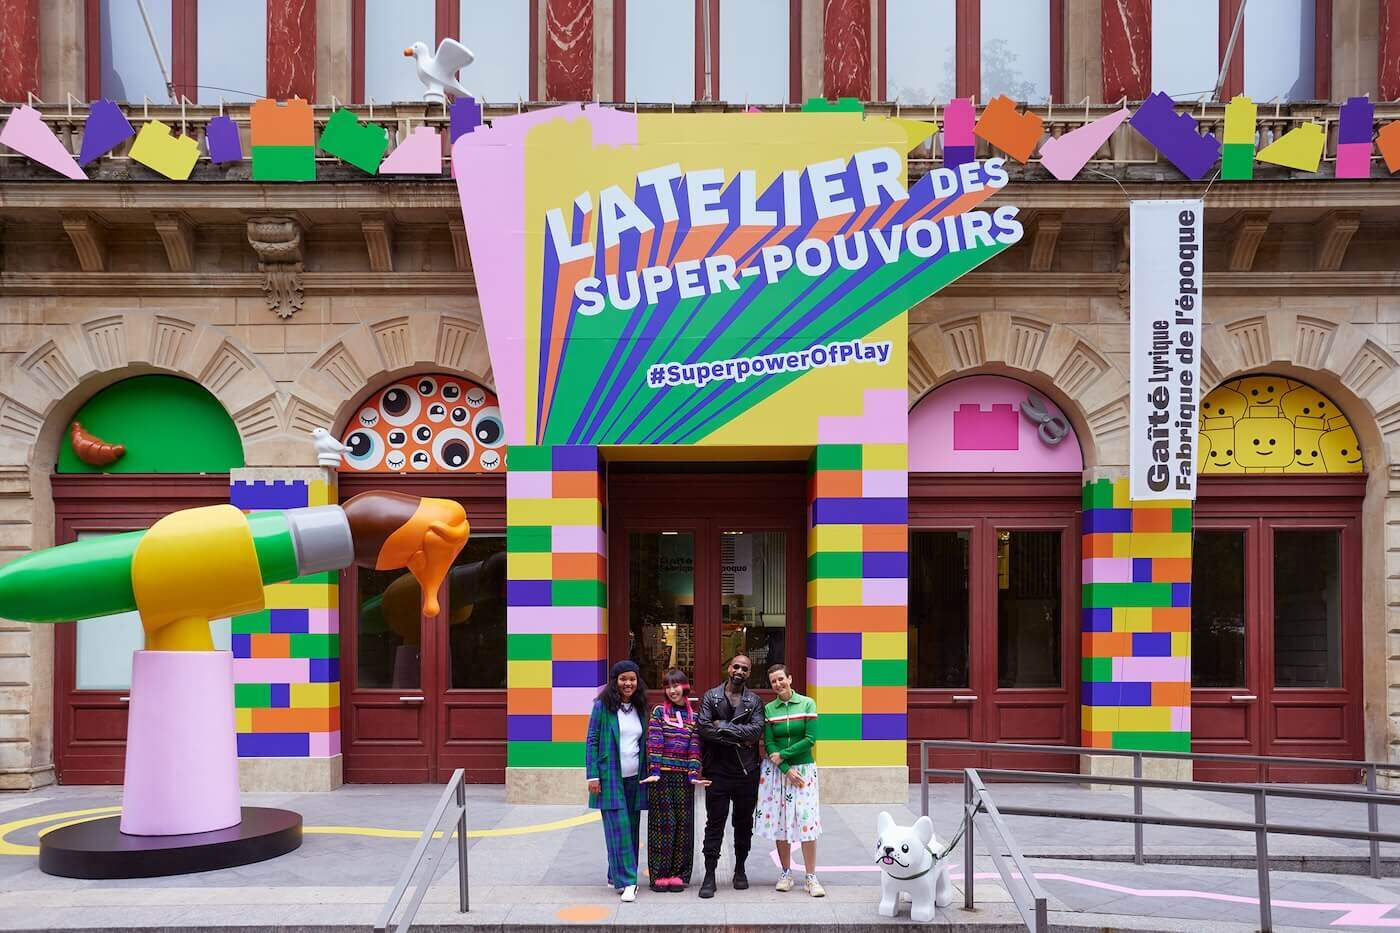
(181, 755)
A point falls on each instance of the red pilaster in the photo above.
(1126, 27)
(568, 53)
(19, 48)
(846, 48)
(291, 49)
(1390, 50)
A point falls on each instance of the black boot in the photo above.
(741, 880)
(707, 886)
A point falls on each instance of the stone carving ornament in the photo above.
(277, 241)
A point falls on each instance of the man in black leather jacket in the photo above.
(730, 723)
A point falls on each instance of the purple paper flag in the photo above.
(106, 129)
(221, 136)
(1176, 137)
(463, 117)
(1354, 133)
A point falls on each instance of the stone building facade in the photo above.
(291, 304)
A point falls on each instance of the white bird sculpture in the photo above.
(438, 72)
(328, 449)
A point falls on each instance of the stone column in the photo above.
(858, 602)
(1126, 44)
(62, 64)
(291, 49)
(1136, 627)
(846, 48)
(286, 666)
(556, 618)
(19, 48)
(26, 651)
(333, 41)
(568, 50)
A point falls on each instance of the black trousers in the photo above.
(741, 793)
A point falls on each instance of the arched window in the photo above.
(1272, 425)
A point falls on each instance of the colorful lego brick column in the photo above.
(556, 591)
(858, 585)
(1137, 621)
(286, 666)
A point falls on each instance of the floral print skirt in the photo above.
(786, 812)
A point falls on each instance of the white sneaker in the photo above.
(785, 881)
(629, 893)
(814, 887)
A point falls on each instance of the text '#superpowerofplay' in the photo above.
(840, 353)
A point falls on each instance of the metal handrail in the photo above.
(456, 795)
(1371, 798)
(976, 800)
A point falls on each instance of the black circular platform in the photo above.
(99, 849)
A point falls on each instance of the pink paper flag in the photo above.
(26, 133)
(419, 154)
(1064, 156)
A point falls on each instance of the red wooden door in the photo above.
(422, 696)
(1276, 625)
(92, 666)
(993, 621)
(702, 566)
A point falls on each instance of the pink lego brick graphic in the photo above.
(976, 428)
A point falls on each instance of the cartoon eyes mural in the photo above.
(1268, 424)
(431, 423)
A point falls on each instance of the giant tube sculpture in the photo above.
(190, 567)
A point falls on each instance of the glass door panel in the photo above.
(1218, 642)
(753, 599)
(1028, 609)
(389, 631)
(1307, 608)
(940, 609)
(476, 615)
(661, 602)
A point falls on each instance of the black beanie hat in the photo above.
(622, 667)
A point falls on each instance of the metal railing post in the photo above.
(463, 897)
(1137, 809)
(1373, 821)
(1261, 861)
(969, 859)
(923, 778)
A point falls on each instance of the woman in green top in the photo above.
(788, 806)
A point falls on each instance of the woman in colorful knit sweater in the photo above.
(789, 809)
(673, 756)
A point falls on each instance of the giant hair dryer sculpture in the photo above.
(201, 564)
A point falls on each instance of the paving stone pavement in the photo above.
(553, 878)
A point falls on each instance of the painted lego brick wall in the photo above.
(1136, 682)
(858, 584)
(556, 591)
(286, 658)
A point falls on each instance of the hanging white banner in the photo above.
(1166, 255)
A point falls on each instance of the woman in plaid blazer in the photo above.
(614, 760)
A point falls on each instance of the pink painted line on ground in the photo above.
(524, 485)
(578, 539)
(884, 592)
(1353, 914)
(834, 672)
(271, 670)
(323, 621)
(554, 620)
(884, 484)
(1107, 569)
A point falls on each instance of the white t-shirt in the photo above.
(629, 740)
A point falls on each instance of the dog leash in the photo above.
(947, 850)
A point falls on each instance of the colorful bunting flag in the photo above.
(1354, 138)
(283, 137)
(419, 154)
(158, 149)
(1238, 162)
(959, 143)
(1064, 156)
(1299, 148)
(222, 138)
(1176, 136)
(360, 144)
(26, 133)
(1388, 141)
(1012, 132)
(106, 128)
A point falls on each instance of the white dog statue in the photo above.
(910, 866)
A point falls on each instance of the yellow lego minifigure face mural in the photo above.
(1269, 424)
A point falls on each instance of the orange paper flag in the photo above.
(1015, 134)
